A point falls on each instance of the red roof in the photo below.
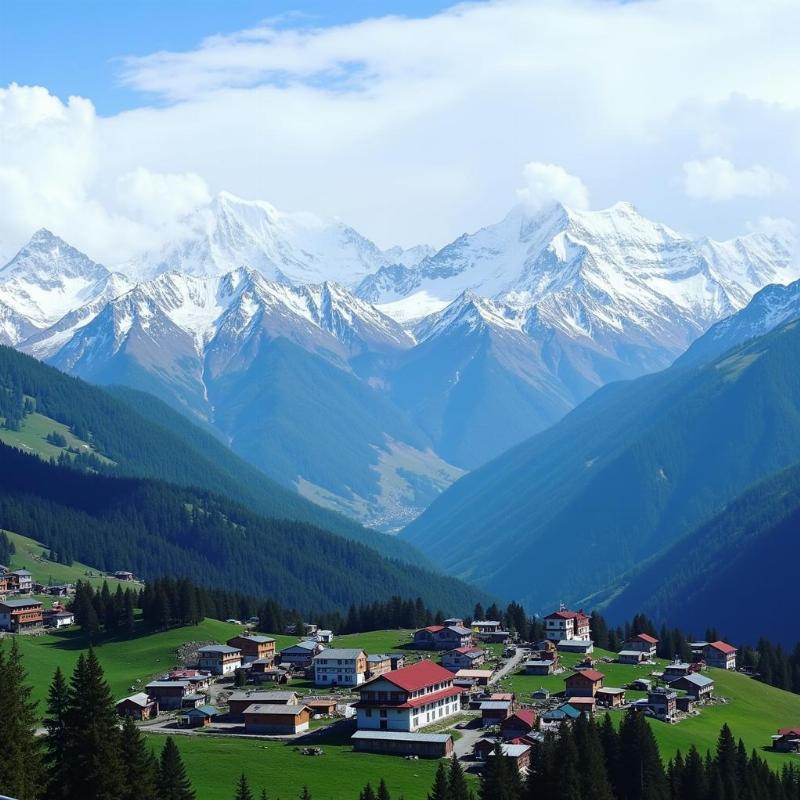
(433, 628)
(723, 647)
(465, 650)
(418, 676)
(591, 674)
(646, 637)
(524, 715)
(422, 700)
(788, 731)
(567, 615)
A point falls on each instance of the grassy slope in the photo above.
(29, 556)
(754, 713)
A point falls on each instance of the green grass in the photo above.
(32, 438)
(375, 642)
(29, 556)
(215, 762)
(754, 713)
(127, 663)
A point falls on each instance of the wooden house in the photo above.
(239, 701)
(284, 719)
(610, 697)
(720, 654)
(253, 648)
(584, 683)
(138, 706)
(520, 723)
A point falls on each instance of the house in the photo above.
(457, 621)
(407, 699)
(564, 713)
(321, 706)
(720, 654)
(662, 702)
(287, 719)
(442, 637)
(698, 686)
(631, 657)
(641, 685)
(340, 667)
(610, 697)
(541, 694)
(585, 705)
(19, 616)
(643, 643)
(219, 659)
(324, 636)
(168, 694)
(536, 666)
(575, 646)
(517, 754)
(193, 700)
(138, 706)
(584, 683)
(253, 647)
(300, 655)
(494, 712)
(197, 680)
(685, 703)
(20, 581)
(4, 581)
(463, 658)
(123, 575)
(377, 664)
(787, 740)
(520, 723)
(199, 717)
(677, 669)
(238, 702)
(490, 630)
(57, 618)
(565, 625)
(398, 660)
(59, 589)
(264, 672)
(477, 677)
(402, 743)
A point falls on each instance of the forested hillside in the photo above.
(146, 438)
(738, 569)
(153, 529)
(623, 477)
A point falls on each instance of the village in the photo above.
(454, 689)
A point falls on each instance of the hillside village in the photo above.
(454, 688)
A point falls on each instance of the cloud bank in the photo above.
(415, 130)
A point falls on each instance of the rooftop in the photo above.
(343, 653)
(275, 710)
(722, 647)
(219, 648)
(417, 676)
(19, 603)
(401, 736)
(263, 697)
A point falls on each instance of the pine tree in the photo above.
(595, 784)
(641, 773)
(128, 616)
(20, 755)
(173, 782)
(139, 765)
(243, 789)
(305, 794)
(499, 780)
(457, 782)
(441, 787)
(367, 793)
(93, 769)
(383, 791)
(568, 774)
(56, 738)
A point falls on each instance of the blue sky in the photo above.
(413, 128)
(74, 47)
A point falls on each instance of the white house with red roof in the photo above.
(407, 699)
(642, 643)
(565, 625)
(720, 654)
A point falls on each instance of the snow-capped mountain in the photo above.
(770, 308)
(367, 378)
(46, 280)
(286, 248)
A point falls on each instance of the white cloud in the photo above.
(548, 183)
(719, 179)
(415, 130)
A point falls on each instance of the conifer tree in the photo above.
(441, 787)
(93, 769)
(139, 765)
(243, 789)
(367, 793)
(641, 773)
(305, 794)
(497, 780)
(173, 782)
(568, 774)
(383, 791)
(56, 738)
(593, 774)
(20, 754)
(457, 782)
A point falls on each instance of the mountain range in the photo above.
(366, 379)
(633, 471)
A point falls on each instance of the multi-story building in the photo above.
(463, 658)
(253, 647)
(442, 637)
(340, 667)
(20, 615)
(642, 643)
(20, 581)
(408, 699)
(219, 659)
(300, 655)
(565, 625)
(720, 654)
